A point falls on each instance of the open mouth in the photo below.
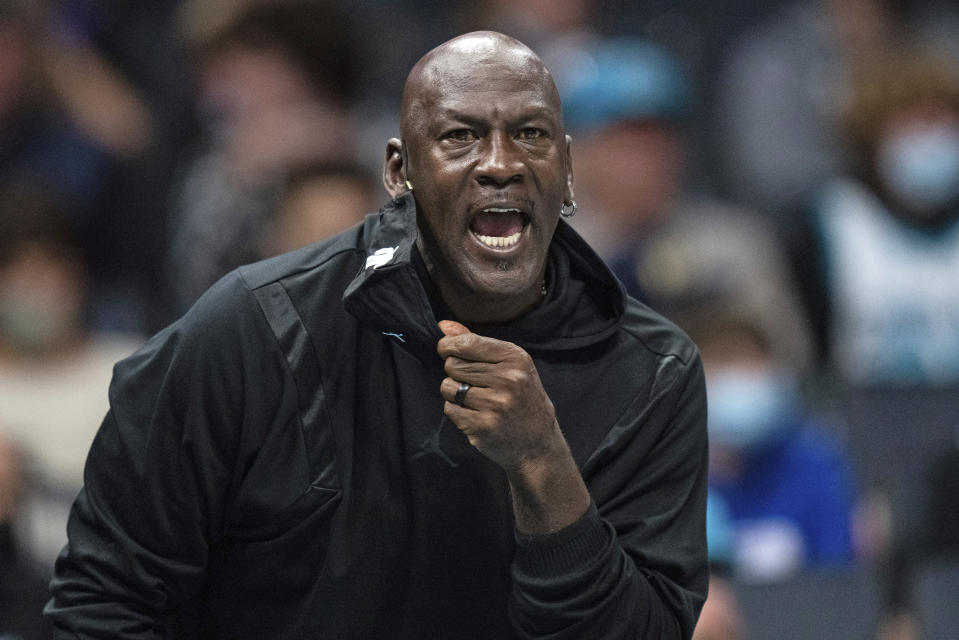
(499, 227)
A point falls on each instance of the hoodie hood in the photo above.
(584, 302)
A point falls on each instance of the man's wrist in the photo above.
(548, 492)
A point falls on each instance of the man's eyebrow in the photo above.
(539, 111)
(450, 113)
(465, 116)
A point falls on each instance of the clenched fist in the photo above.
(508, 416)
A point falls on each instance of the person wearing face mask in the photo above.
(52, 368)
(785, 483)
(878, 254)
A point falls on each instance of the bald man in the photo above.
(448, 422)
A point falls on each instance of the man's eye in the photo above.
(531, 133)
(461, 135)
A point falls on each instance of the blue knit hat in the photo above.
(623, 79)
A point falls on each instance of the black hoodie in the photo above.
(276, 464)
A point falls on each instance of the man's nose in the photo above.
(501, 162)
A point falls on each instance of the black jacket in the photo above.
(277, 464)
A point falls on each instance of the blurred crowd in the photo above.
(781, 179)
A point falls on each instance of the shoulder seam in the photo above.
(684, 355)
(253, 286)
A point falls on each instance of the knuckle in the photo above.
(450, 364)
(448, 386)
(516, 376)
(444, 346)
(468, 340)
(501, 400)
(486, 421)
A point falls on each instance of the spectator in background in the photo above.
(125, 65)
(275, 88)
(783, 83)
(23, 586)
(53, 371)
(624, 105)
(878, 251)
(318, 201)
(39, 140)
(626, 109)
(71, 121)
(786, 483)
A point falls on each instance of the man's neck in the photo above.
(474, 308)
(468, 307)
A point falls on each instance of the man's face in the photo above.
(489, 163)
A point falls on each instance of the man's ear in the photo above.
(394, 169)
(569, 169)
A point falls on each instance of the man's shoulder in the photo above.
(340, 251)
(657, 334)
(231, 308)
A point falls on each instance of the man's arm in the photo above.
(159, 471)
(639, 570)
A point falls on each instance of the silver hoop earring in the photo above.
(568, 213)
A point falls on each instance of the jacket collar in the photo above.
(584, 301)
(387, 294)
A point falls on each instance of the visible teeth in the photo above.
(498, 210)
(497, 241)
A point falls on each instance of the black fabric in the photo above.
(210, 511)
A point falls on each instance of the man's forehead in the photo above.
(463, 91)
(480, 67)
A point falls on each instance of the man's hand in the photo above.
(507, 414)
(509, 418)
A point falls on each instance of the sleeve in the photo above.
(635, 565)
(160, 472)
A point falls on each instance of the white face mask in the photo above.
(748, 408)
(920, 167)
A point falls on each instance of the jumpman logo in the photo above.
(432, 446)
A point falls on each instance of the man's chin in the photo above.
(502, 296)
(504, 278)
